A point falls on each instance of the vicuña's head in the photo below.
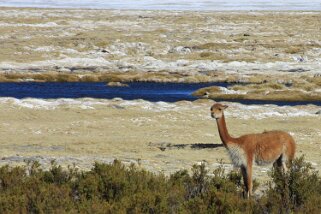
(217, 110)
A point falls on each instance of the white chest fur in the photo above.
(237, 155)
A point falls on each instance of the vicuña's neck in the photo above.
(225, 137)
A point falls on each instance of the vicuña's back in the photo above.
(276, 147)
(267, 147)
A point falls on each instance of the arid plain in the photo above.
(161, 137)
(279, 51)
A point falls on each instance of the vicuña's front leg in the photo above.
(244, 174)
(247, 178)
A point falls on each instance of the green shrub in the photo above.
(114, 188)
(298, 190)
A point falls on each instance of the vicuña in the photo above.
(276, 147)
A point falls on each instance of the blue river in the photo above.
(167, 92)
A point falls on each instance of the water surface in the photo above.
(169, 92)
(151, 91)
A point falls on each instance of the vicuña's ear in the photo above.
(225, 106)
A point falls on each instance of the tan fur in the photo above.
(276, 147)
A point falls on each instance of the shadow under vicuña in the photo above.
(164, 146)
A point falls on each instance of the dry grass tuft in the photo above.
(207, 91)
(214, 46)
(89, 78)
(294, 50)
(275, 90)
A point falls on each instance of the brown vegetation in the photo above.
(261, 37)
(303, 89)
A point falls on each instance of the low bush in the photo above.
(115, 188)
(298, 190)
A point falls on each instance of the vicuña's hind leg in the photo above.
(284, 167)
(249, 177)
(280, 163)
(290, 152)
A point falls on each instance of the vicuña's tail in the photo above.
(290, 149)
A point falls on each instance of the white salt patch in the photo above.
(150, 106)
(79, 62)
(116, 24)
(235, 110)
(41, 48)
(66, 62)
(165, 105)
(123, 49)
(230, 91)
(137, 59)
(38, 132)
(318, 90)
(134, 103)
(265, 111)
(181, 50)
(48, 49)
(51, 104)
(182, 62)
(41, 25)
(4, 37)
